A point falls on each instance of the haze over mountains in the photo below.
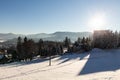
(57, 36)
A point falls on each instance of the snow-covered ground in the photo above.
(94, 65)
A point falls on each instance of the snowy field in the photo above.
(94, 65)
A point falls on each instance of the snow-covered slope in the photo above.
(94, 65)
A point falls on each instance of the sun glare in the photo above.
(97, 22)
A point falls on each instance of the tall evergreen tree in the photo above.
(79, 40)
(67, 42)
(83, 42)
(40, 47)
(20, 48)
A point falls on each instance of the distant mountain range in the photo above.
(57, 36)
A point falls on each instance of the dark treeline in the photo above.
(106, 39)
(27, 49)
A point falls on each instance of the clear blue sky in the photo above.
(48, 16)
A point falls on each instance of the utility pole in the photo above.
(49, 57)
(50, 60)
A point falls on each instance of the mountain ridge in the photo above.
(56, 36)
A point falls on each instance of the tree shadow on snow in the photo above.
(100, 61)
(16, 64)
(68, 57)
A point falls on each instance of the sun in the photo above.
(97, 22)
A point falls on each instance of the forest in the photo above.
(27, 49)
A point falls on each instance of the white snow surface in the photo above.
(94, 65)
